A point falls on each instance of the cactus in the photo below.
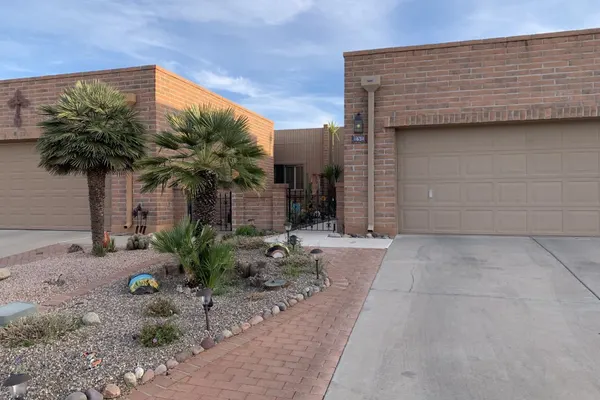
(138, 242)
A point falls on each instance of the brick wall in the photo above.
(175, 93)
(46, 90)
(526, 78)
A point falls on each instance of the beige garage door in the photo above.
(504, 179)
(30, 198)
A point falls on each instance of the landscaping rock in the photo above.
(197, 350)
(4, 274)
(93, 394)
(256, 320)
(386, 237)
(219, 337)
(207, 343)
(293, 302)
(227, 333)
(282, 306)
(111, 391)
(130, 379)
(316, 289)
(369, 236)
(91, 318)
(74, 248)
(148, 376)
(182, 356)
(139, 372)
(334, 235)
(160, 370)
(275, 310)
(77, 396)
(187, 290)
(307, 292)
(299, 297)
(267, 314)
(346, 236)
(236, 329)
(245, 326)
(172, 363)
(327, 282)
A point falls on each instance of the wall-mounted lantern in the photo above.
(358, 124)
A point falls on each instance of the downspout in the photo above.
(131, 99)
(371, 84)
(128, 200)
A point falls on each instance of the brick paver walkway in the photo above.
(290, 356)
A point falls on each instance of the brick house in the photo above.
(300, 155)
(497, 136)
(32, 199)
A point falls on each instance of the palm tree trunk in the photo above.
(96, 193)
(205, 202)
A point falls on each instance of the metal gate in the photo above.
(311, 210)
(222, 212)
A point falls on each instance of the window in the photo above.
(293, 175)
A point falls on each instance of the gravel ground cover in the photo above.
(38, 281)
(60, 368)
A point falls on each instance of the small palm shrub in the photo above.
(38, 328)
(161, 307)
(160, 334)
(206, 261)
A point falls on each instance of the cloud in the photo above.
(221, 81)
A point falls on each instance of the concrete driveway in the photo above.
(19, 241)
(481, 318)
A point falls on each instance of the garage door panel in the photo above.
(445, 221)
(583, 193)
(415, 220)
(544, 164)
(477, 221)
(546, 222)
(444, 167)
(511, 222)
(541, 179)
(478, 166)
(582, 222)
(512, 193)
(581, 163)
(545, 193)
(510, 165)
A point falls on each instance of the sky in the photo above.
(280, 58)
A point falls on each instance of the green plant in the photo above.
(205, 260)
(91, 131)
(38, 328)
(98, 250)
(160, 334)
(138, 242)
(112, 247)
(206, 149)
(296, 264)
(248, 230)
(161, 307)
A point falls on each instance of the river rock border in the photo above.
(140, 376)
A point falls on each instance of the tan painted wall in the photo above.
(527, 78)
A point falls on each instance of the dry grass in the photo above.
(161, 307)
(34, 329)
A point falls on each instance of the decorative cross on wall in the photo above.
(16, 102)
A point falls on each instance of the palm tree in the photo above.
(206, 149)
(334, 134)
(91, 131)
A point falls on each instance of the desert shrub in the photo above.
(256, 296)
(248, 230)
(160, 334)
(138, 242)
(111, 247)
(248, 243)
(38, 328)
(161, 307)
(296, 264)
(99, 250)
(205, 260)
